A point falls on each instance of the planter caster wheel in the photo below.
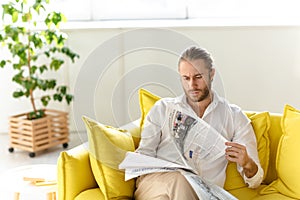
(65, 145)
(31, 154)
(11, 149)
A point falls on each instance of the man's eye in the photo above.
(198, 77)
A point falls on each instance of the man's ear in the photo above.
(212, 74)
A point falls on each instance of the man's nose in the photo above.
(192, 83)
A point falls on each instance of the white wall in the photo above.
(258, 69)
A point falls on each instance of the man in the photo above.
(196, 71)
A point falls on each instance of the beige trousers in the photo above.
(164, 186)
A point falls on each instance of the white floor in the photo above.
(20, 158)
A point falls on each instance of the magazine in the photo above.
(195, 141)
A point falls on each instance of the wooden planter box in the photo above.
(39, 134)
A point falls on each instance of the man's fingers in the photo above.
(234, 144)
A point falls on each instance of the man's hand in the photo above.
(238, 153)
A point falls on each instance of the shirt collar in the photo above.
(182, 99)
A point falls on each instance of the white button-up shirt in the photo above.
(225, 118)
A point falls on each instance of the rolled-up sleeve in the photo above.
(256, 180)
(245, 135)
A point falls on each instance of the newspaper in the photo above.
(136, 164)
(195, 141)
(195, 138)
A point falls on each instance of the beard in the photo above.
(198, 95)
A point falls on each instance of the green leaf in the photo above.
(18, 94)
(56, 64)
(27, 17)
(2, 63)
(69, 98)
(15, 16)
(61, 40)
(18, 78)
(47, 54)
(33, 69)
(62, 89)
(69, 53)
(49, 35)
(57, 97)
(27, 93)
(8, 9)
(37, 6)
(53, 49)
(17, 66)
(43, 68)
(51, 83)
(35, 114)
(45, 100)
(36, 40)
(29, 84)
(34, 57)
(41, 84)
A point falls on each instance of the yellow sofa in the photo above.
(76, 179)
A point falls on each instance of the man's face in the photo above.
(196, 79)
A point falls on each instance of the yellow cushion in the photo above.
(108, 147)
(233, 178)
(275, 134)
(288, 159)
(146, 100)
(136, 135)
(90, 194)
(261, 125)
(74, 169)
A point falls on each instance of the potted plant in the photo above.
(36, 46)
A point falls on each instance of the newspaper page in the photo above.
(195, 141)
(136, 164)
(206, 190)
(195, 138)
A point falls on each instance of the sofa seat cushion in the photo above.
(246, 193)
(274, 196)
(90, 194)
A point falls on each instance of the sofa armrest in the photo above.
(74, 173)
(74, 170)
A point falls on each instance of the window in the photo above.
(272, 12)
(271, 9)
(138, 9)
(75, 10)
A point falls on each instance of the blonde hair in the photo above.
(195, 53)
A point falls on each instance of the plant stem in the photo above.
(29, 68)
